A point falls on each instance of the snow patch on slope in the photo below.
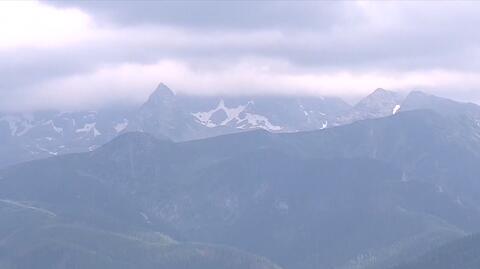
(232, 114)
(121, 126)
(88, 127)
(255, 120)
(324, 125)
(236, 115)
(146, 218)
(395, 109)
(12, 123)
(47, 151)
(55, 128)
(17, 125)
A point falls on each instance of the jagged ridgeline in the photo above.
(180, 118)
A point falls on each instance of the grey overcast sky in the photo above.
(83, 54)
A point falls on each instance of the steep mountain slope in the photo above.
(462, 253)
(181, 118)
(187, 117)
(419, 100)
(35, 238)
(164, 114)
(43, 134)
(96, 228)
(354, 196)
(380, 103)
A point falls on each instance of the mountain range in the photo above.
(388, 181)
(35, 135)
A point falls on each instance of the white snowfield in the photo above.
(89, 127)
(396, 109)
(237, 116)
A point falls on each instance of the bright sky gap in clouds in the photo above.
(90, 54)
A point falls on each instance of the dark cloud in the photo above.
(329, 44)
(220, 14)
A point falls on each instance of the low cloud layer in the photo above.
(91, 54)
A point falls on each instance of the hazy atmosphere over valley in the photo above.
(239, 134)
